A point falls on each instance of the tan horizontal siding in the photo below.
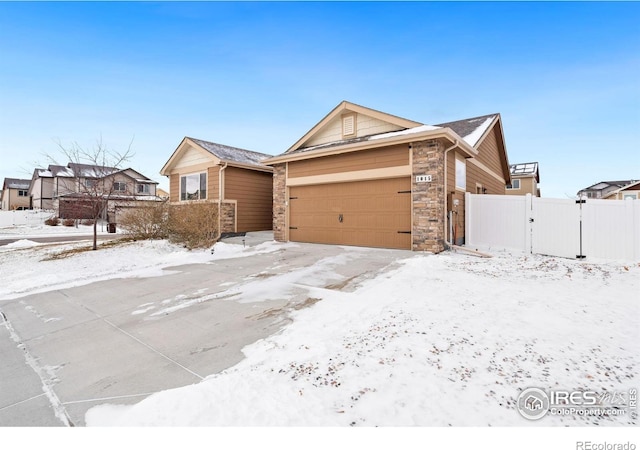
(174, 187)
(368, 159)
(477, 175)
(489, 154)
(213, 183)
(253, 191)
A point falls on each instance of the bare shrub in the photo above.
(52, 221)
(147, 222)
(88, 222)
(195, 225)
(68, 222)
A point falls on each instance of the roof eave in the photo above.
(445, 133)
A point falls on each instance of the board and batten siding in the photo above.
(253, 192)
(393, 156)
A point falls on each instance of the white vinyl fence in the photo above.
(26, 217)
(596, 229)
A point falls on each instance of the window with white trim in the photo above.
(22, 193)
(515, 184)
(461, 174)
(119, 186)
(142, 188)
(632, 196)
(193, 187)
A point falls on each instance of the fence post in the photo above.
(528, 222)
(467, 219)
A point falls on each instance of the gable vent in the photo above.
(348, 125)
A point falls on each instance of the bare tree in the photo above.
(93, 180)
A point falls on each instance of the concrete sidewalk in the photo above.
(120, 340)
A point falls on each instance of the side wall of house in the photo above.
(11, 200)
(253, 191)
(528, 185)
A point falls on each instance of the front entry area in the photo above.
(372, 213)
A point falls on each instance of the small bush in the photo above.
(195, 225)
(68, 222)
(88, 222)
(147, 222)
(52, 221)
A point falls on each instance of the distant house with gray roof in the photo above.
(63, 189)
(619, 189)
(524, 179)
(15, 194)
(234, 178)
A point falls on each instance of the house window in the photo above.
(142, 189)
(631, 196)
(119, 186)
(89, 183)
(193, 187)
(515, 184)
(461, 174)
(23, 193)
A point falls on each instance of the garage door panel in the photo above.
(373, 213)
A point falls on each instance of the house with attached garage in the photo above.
(367, 178)
(72, 191)
(234, 178)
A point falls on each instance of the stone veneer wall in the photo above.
(280, 202)
(228, 219)
(428, 198)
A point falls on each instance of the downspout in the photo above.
(446, 194)
(220, 198)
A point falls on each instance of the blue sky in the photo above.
(564, 76)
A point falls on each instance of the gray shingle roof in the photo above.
(232, 154)
(465, 128)
(16, 183)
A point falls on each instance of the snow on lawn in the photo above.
(27, 268)
(439, 340)
(47, 230)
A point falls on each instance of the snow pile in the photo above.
(22, 243)
(440, 340)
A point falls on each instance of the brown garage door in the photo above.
(374, 213)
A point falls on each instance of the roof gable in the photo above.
(216, 153)
(367, 122)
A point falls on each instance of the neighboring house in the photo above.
(66, 189)
(605, 188)
(15, 194)
(524, 179)
(162, 193)
(234, 178)
(631, 190)
(368, 178)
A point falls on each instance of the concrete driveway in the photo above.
(120, 340)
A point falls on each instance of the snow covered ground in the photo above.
(436, 340)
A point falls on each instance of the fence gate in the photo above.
(555, 227)
(591, 228)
